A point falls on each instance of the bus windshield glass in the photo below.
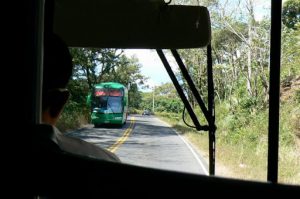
(115, 104)
(108, 104)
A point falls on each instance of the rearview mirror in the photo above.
(131, 24)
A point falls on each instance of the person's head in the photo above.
(57, 72)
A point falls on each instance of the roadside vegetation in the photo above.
(240, 44)
(242, 142)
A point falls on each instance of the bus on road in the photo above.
(109, 103)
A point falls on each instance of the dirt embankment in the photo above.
(288, 92)
(288, 89)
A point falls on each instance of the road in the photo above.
(146, 141)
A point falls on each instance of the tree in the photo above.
(166, 99)
(128, 72)
(290, 40)
(91, 64)
(195, 62)
(167, 90)
(291, 13)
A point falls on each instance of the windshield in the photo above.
(108, 104)
(115, 104)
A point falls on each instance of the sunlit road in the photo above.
(146, 141)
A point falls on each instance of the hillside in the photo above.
(290, 95)
(289, 89)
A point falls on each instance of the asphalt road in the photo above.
(146, 141)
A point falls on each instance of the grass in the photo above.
(289, 165)
(289, 150)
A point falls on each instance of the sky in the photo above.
(262, 8)
(152, 67)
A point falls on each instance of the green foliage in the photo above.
(134, 111)
(291, 13)
(242, 126)
(297, 96)
(174, 116)
(91, 64)
(247, 103)
(289, 123)
(134, 97)
(166, 90)
(290, 52)
(73, 116)
(242, 140)
(168, 105)
(78, 90)
(165, 100)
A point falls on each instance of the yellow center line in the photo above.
(122, 139)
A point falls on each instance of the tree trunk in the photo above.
(250, 42)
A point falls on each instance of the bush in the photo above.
(73, 117)
(134, 111)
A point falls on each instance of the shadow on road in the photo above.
(144, 129)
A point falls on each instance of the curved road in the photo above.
(146, 141)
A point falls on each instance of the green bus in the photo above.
(109, 103)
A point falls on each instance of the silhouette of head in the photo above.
(56, 75)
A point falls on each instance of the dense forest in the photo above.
(240, 45)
